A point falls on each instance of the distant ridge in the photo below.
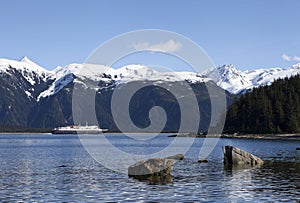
(34, 97)
(235, 81)
(227, 76)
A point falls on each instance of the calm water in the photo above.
(44, 167)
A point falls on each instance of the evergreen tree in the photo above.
(268, 109)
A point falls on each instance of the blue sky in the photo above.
(249, 34)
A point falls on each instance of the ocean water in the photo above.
(57, 168)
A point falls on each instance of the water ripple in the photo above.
(42, 168)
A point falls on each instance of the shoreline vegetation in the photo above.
(290, 136)
(282, 136)
(21, 129)
(273, 109)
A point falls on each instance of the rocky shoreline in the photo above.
(191, 135)
(243, 136)
(264, 136)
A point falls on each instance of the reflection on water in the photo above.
(274, 179)
(57, 168)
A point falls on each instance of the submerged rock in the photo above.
(155, 171)
(236, 156)
(202, 161)
(176, 157)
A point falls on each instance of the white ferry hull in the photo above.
(76, 130)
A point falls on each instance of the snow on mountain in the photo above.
(25, 59)
(76, 72)
(140, 72)
(24, 74)
(227, 76)
(62, 76)
(30, 70)
(90, 71)
(262, 77)
(236, 81)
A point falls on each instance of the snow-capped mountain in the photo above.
(77, 72)
(20, 84)
(227, 76)
(24, 74)
(236, 81)
(35, 97)
(29, 70)
(141, 72)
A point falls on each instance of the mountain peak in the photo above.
(27, 63)
(296, 66)
(236, 81)
(25, 59)
(228, 68)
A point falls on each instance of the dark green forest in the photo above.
(267, 109)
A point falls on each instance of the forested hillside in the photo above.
(268, 109)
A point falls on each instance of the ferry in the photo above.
(74, 129)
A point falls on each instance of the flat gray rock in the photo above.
(155, 170)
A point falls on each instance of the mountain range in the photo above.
(235, 81)
(32, 96)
